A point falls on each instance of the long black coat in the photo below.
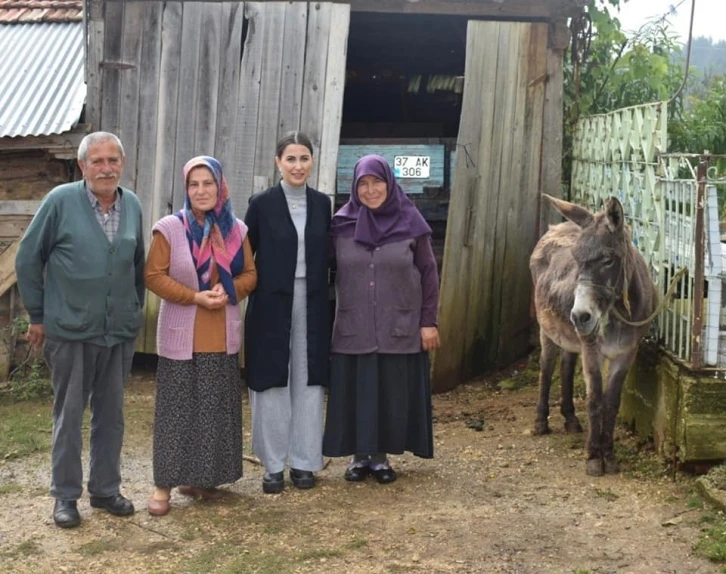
(268, 320)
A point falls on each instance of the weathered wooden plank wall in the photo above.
(485, 292)
(30, 174)
(176, 81)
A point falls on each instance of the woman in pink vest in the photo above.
(387, 294)
(200, 264)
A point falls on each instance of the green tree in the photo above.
(605, 69)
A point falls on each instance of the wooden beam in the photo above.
(524, 10)
(65, 142)
(551, 167)
(18, 206)
(7, 267)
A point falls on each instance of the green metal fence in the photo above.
(671, 204)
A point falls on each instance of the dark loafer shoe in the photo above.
(302, 478)
(118, 505)
(273, 483)
(357, 473)
(65, 514)
(384, 475)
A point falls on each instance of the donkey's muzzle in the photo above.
(582, 321)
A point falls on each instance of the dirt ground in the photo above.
(494, 499)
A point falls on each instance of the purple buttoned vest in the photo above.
(379, 298)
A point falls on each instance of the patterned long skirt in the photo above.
(198, 421)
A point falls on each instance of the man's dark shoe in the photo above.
(357, 473)
(302, 478)
(117, 504)
(273, 483)
(384, 474)
(65, 514)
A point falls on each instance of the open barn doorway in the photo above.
(402, 100)
(467, 98)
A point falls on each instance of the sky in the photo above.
(709, 19)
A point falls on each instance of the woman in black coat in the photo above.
(287, 326)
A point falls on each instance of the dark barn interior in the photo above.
(404, 84)
(398, 67)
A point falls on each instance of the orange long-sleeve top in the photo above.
(209, 325)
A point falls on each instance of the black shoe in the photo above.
(65, 514)
(273, 483)
(384, 475)
(357, 473)
(117, 504)
(302, 478)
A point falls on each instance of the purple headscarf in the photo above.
(397, 219)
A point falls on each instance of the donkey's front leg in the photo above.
(568, 362)
(617, 372)
(592, 367)
(546, 367)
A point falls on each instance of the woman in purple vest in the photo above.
(200, 264)
(387, 293)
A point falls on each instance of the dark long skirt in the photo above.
(379, 403)
(198, 421)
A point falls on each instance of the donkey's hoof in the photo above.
(594, 467)
(610, 465)
(541, 427)
(573, 425)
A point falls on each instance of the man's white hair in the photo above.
(98, 137)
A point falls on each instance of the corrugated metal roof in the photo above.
(41, 11)
(42, 89)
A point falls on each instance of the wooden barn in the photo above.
(42, 93)
(469, 89)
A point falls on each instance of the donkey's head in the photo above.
(601, 254)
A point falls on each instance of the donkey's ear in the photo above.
(614, 212)
(575, 213)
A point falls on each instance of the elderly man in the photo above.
(80, 273)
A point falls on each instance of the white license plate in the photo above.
(412, 166)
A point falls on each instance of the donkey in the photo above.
(588, 277)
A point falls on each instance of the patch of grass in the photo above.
(226, 558)
(581, 571)
(608, 494)
(318, 553)
(712, 544)
(694, 503)
(25, 548)
(25, 428)
(208, 559)
(636, 464)
(356, 544)
(190, 533)
(707, 519)
(256, 563)
(96, 547)
(9, 488)
(30, 382)
(154, 547)
(508, 385)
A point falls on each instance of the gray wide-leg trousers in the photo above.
(287, 422)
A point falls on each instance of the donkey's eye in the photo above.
(607, 262)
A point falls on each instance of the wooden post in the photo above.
(697, 326)
(551, 174)
(94, 36)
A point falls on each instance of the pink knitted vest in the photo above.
(175, 329)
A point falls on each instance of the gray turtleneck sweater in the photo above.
(297, 204)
